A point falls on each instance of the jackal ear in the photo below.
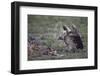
(74, 28)
(66, 28)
